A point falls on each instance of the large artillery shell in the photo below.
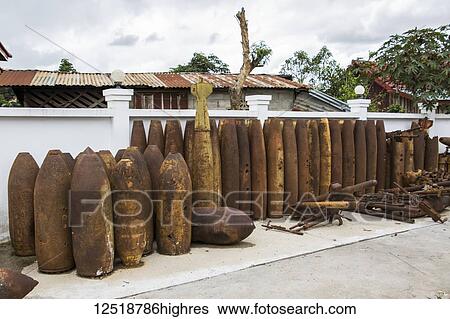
(229, 150)
(397, 162)
(131, 205)
(51, 212)
(20, 204)
(314, 156)
(220, 226)
(409, 154)
(381, 156)
(14, 285)
(419, 148)
(360, 153)
(371, 147)
(336, 151)
(132, 153)
(138, 138)
(259, 170)
(290, 163)
(108, 161)
(189, 144)
(91, 221)
(303, 156)
(156, 135)
(174, 137)
(217, 173)
(275, 169)
(173, 218)
(70, 161)
(348, 154)
(431, 154)
(119, 154)
(388, 175)
(202, 167)
(154, 159)
(325, 156)
(245, 178)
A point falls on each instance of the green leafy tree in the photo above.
(66, 66)
(203, 63)
(417, 61)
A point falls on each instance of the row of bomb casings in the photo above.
(82, 213)
(263, 170)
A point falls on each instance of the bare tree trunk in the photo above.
(236, 98)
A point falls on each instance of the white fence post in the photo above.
(259, 104)
(360, 107)
(119, 101)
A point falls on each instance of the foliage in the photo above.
(260, 54)
(418, 61)
(396, 108)
(202, 63)
(66, 66)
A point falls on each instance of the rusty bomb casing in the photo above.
(189, 143)
(371, 149)
(259, 170)
(336, 151)
(119, 154)
(275, 169)
(138, 137)
(388, 176)
(325, 156)
(397, 162)
(70, 161)
(431, 154)
(173, 137)
(174, 214)
(381, 156)
(229, 149)
(156, 135)
(92, 221)
(314, 156)
(14, 285)
(154, 159)
(22, 177)
(51, 215)
(109, 162)
(245, 173)
(290, 163)
(217, 165)
(220, 225)
(360, 154)
(419, 147)
(303, 157)
(348, 154)
(408, 143)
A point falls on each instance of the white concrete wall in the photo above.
(72, 130)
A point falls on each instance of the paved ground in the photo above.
(414, 264)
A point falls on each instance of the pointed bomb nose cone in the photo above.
(14, 285)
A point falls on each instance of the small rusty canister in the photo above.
(138, 138)
(22, 177)
(173, 217)
(91, 217)
(51, 210)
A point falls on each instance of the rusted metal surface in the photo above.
(419, 148)
(14, 285)
(174, 137)
(325, 156)
(229, 149)
(92, 233)
(217, 166)
(70, 161)
(21, 182)
(119, 154)
(189, 143)
(314, 156)
(220, 225)
(275, 169)
(336, 151)
(290, 163)
(174, 214)
(51, 215)
(372, 151)
(132, 153)
(138, 138)
(388, 175)
(381, 155)
(303, 157)
(397, 162)
(16, 77)
(266, 127)
(431, 153)
(156, 135)
(445, 140)
(348, 153)
(108, 161)
(360, 152)
(409, 154)
(131, 204)
(258, 170)
(154, 159)
(245, 173)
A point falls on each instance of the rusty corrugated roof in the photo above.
(151, 80)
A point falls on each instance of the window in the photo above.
(161, 100)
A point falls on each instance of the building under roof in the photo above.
(4, 54)
(35, 88)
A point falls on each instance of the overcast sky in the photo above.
(147, 35)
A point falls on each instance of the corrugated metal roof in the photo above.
(152, 80)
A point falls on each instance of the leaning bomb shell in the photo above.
(51, 215)
(21, 182)
(173, 218)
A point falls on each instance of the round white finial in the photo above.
(359, 90)
(117, 76)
